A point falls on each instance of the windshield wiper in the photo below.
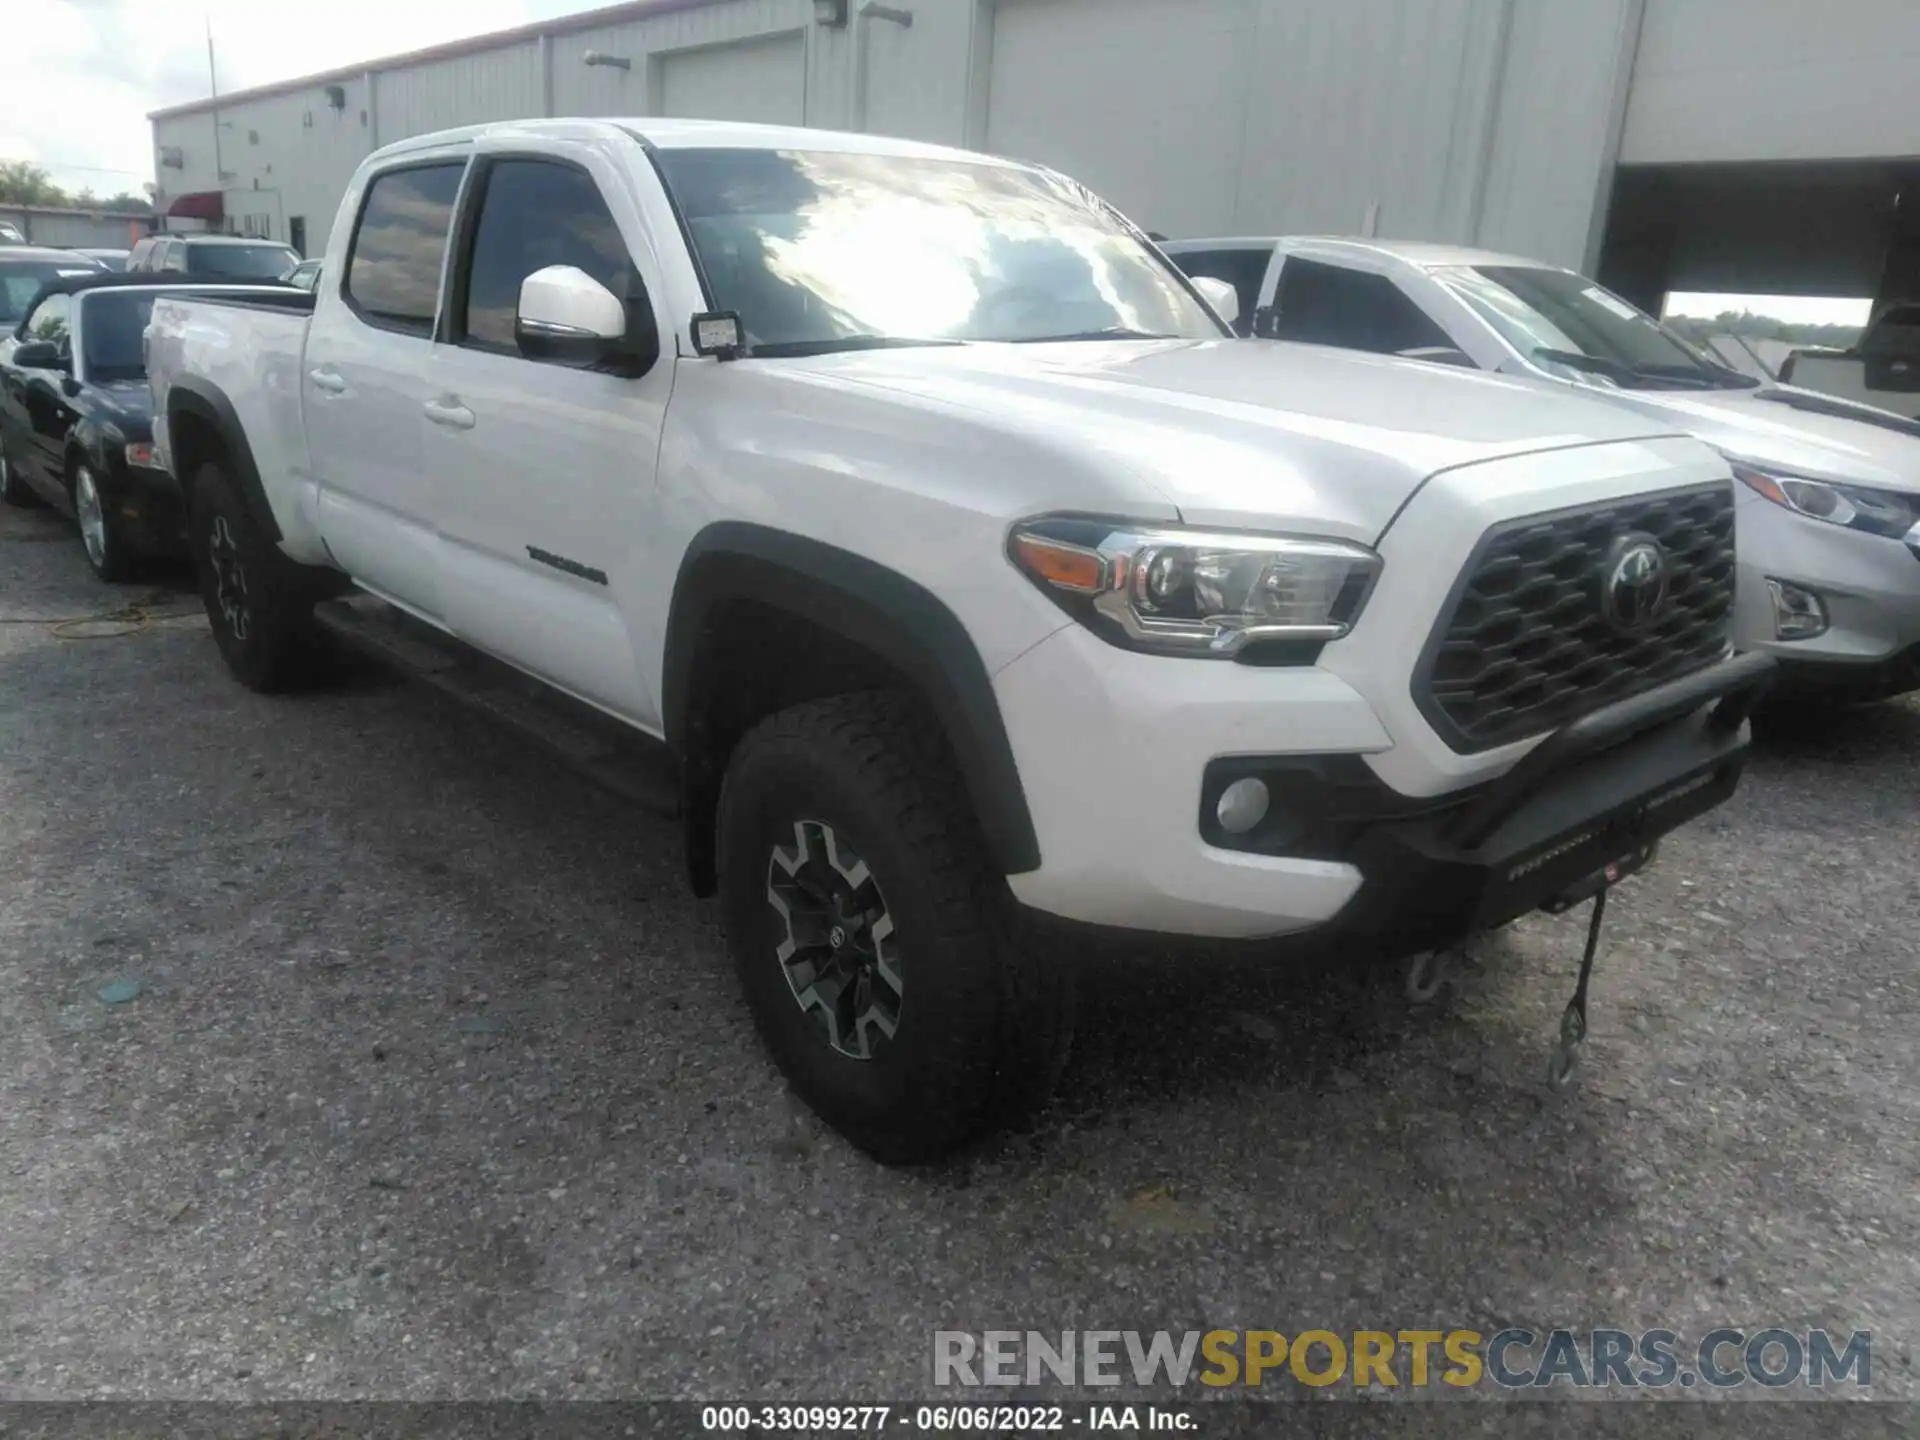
(829, 345)
(1111, 332)
(1687, 377)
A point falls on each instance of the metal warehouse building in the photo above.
(1754, 145)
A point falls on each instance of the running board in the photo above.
(632, 765)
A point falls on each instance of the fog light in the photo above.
(1797, 614)
(1243, 805)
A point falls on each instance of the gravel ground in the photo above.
(436, 1083)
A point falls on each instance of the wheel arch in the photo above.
(202, 425)
(736, 576)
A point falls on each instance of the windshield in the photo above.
(1570, 327)
(20, 281)
(241, 262)
(111, 335)
(821, 250)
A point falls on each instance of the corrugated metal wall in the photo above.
(1775, 80)
(73, 229)
(1488, 120)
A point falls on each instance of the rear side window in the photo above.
(393, 269)
(536, 214)
(1332, 305)
(1243, 269)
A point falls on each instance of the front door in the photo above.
(366, 357)
(545, 473)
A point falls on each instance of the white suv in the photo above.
(974, 587)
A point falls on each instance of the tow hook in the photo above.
(1563, 1066)
(1430, 971)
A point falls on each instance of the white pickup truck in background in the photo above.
(1882, 369)
(1830, 499)
(969, 585)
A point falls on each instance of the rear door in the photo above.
(544, 474)
(365, 382)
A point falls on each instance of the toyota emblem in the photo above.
(1633, 590)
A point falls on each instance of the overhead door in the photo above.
(762, 80)
(1141, 99)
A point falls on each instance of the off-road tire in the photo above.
(985, 1018)
(275, 645)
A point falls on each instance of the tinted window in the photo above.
(816, 249)
(51, 319)
(1332, 305)
(393, 273)
(535, 215)
(240, 262)
(112, 337)
(1242, 269)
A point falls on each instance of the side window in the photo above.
(535, 213)
(175, 257)
(1324, 304)
(393, 268)
(1243, 269)
(51, 320)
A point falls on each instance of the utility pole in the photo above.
(213, 86)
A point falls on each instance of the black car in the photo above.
(75, 416)
(25, 269)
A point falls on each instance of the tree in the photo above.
(24, 183)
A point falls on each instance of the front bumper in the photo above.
(1598, 793)
(147, 507)
(1869, 586)
(1122, 808)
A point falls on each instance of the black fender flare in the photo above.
(873, 607)
(191, 395)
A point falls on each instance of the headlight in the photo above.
(1878, 512)
(1190, 592)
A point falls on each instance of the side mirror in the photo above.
(41, 355)
(1439, 355)
(568, 317)
(1224, 299)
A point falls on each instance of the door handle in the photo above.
(329, 381)
(450, 413)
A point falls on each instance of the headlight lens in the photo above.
(1878, 512)
(1190, 592)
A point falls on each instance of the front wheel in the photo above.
(260, 604)
(106, 550)
(876, 946)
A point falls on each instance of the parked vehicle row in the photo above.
(1829, 500)
(206, 256)
(974, 591)
(74, 417)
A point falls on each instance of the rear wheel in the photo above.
(14, 490)
(876, 946)
(106, 550)
(259, 603)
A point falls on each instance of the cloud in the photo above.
(82, 75)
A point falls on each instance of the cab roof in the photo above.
(670, 134)
(1424, 254)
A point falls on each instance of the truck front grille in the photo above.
(1542, 629)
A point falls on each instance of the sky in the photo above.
(1792, 309)
(81, 75)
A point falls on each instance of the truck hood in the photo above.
(1230, 432)
(1798, 431)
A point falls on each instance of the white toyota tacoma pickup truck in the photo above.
(973, 585)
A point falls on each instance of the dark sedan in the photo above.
(75, 417)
